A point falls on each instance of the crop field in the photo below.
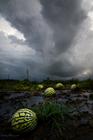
(63, 109)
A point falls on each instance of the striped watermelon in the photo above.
(59, 85)
(49, 91)
(73, 86)
(40, 86)
(24, 120)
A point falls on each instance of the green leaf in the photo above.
(52, 127)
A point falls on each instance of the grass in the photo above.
(50, 112)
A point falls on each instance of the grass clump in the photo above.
(49, 112)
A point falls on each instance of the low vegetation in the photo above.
(26, 84)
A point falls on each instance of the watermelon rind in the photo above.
(24, 120)
(49, 91)
(73, 86)
(59, 85)
(40, 86)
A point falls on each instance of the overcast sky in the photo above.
(50, 38)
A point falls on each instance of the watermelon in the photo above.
(40, 86)
(59, 85)
(24, 120)
(73, 86)
(49, 91)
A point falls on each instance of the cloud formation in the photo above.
(55, 38)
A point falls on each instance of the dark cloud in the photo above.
(63, 69)
(64, 17)
(15, 40)
(50, 28)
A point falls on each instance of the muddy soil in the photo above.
(80, 128)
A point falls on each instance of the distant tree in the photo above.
(27, 80)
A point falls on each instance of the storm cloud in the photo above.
(50, 38)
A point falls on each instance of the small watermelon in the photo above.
(73, 86)
(24, 120)
(49, 91)
(40, 86)
(59, 85)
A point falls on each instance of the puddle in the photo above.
(35, 99)
(11, 91)
(90, 101)
(41, 93)
(86, 94)
(67, 91)
(83, 121)
(74, 98)
(13, 95)
(62, 100)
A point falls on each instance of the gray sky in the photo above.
(49, 38)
